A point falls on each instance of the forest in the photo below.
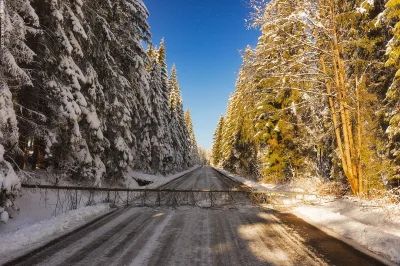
(85, 94)
(318, 96)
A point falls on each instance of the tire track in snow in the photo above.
(173, 232)
(111, 243)
(151, 245)
(137, 244)
(79, 238)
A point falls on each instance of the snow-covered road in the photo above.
(204, 178)
(236, 234)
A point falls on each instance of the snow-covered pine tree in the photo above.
(159, 131)
(281, 70)
(69, 91)
(216, 147)
(204, 156)
(392, 113)
(310, 82)
(120, 26)
(231, 133)
(94, 109)
(132, 29)
(180, 136)
(161, 58)
(19, 21)
(167, 147)
(319, 35)
(194, 156)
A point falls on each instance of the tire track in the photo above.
(71, 240)
(100, 250)
(172, 233)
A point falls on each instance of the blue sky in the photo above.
(203, 39)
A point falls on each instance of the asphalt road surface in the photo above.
(234, 234)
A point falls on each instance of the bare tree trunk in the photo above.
(343, 130)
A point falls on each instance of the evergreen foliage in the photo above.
(87, 100)
(19, 22)
(216, 148)
(193, 148)
(317, 96)
(392, 113)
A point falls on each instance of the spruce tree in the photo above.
(392, 114)
(216, 147)
(68, 91)
(159, 132)
(167, 148)
(194, 156)
(20, 22)
(180, 136)
(122, 61)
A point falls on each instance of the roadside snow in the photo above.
(40, 177)
(245, 181)
(33, 222)
(4, 217)
(374, 225)
(303, 185)
(157, 181)
(44, 231)
(36, 205)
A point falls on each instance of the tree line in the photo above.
(81, 95)
(318, 95)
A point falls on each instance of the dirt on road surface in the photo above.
(233, 234)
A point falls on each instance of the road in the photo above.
(233, 234)
(205, 178)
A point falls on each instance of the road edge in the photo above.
(44, 245)
(348, 241)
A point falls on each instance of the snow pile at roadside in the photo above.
(35, 205)
(305, 185)
(157, 181)
(245, 181)
(25, 238)
(375, 227)
(131, 178)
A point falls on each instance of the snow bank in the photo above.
(4, 216)
(305, 185)
(35, 205)
(35, 223)
(376, 228)
(247, 182)
(44, 231)
(156, 181)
